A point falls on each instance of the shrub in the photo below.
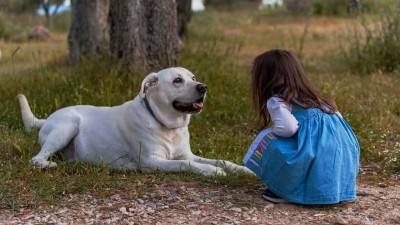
(375, 46)
(231, 5)
(323, 7)
(376, 6)
(331, 7)
(299, 6)
(336, 7)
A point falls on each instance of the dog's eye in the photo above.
(194, 78)
(178, 80)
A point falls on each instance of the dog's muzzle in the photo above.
(202, 88)
(192, 107)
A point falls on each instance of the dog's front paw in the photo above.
(216, 171)
(219, 172)
(244, 170)
(248, 171)
(44, 164)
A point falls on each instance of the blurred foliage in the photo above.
(9, 31)
(61, 22)
(299, 6)
(28, 6)
(18, 6)
(337, 7)
(375, 45)
(232, 4)
(14, 27)
(378, 6)
(334, 7)
(18, 16)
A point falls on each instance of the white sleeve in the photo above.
(284, 123)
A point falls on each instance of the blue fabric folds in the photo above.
(318, 165)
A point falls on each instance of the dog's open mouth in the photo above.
(193, 107)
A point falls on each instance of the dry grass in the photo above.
(29, 55)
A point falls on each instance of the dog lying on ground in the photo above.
(148, 133)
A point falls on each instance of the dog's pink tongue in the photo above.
(198, 105)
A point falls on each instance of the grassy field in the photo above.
(219, 50)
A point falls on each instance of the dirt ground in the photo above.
(179, 202)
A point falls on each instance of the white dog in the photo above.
(148, 133)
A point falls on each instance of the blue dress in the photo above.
(318, 165)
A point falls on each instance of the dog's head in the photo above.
(173, 93)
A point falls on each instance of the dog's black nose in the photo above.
(202, 88)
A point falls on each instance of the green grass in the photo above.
(219, 55)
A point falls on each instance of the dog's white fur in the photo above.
(128, 137)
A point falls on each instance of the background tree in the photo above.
(144, 33)
(88, 34)
(45, 5)
(184, 13)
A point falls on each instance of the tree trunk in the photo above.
(184, 13)
(127, 30)
(143, 33)
(45, 7)
(88, 35)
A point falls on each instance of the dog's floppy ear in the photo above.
(149, 81)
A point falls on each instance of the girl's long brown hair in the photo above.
(279, 72)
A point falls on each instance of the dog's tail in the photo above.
(30, 121)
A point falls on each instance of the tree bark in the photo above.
(126, 25)
(143, 33)
(45, 8)
(184, 14)
(89, 34)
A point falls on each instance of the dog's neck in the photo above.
(171, 119)
(147, 105)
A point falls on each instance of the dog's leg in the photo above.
(180, 166)
(55, 140)
(224, 164)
